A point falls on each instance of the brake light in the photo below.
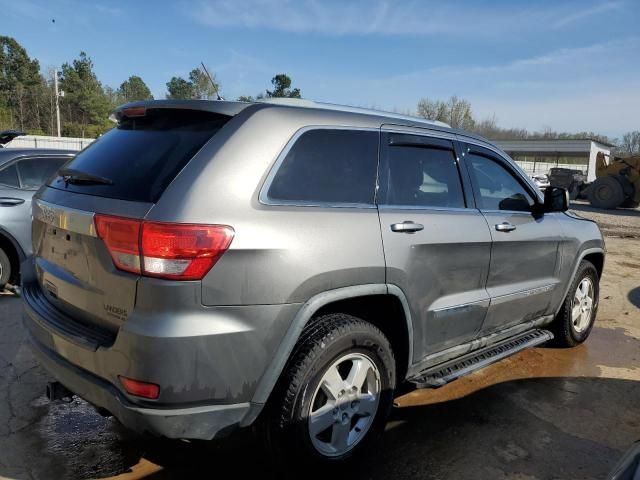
(134, 112)
(173, 251)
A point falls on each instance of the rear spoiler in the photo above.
(7, 135)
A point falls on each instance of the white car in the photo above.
(541, 180)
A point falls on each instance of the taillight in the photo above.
(174, 251)
(183, 251)
(122, 238)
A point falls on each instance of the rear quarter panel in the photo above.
(280, 254)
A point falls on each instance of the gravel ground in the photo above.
(623, 222)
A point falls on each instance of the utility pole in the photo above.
(55, 84)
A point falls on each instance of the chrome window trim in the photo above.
(413, 130)
(427, 208)
(263, 196)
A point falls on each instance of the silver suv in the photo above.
(206, 265)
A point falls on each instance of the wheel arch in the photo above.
(596, 257)
(353, 298)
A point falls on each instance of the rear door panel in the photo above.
(442, 268)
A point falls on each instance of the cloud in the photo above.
(569, 88)
(587, 12)
(390, 17)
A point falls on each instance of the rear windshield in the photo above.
(142, 155)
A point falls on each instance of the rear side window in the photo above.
(142, 155)
(35, 171)
(9, 176)
(329, 166)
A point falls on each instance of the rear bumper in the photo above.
(203, 422)
(206, 360)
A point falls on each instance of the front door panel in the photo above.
(524, 252)
(523, 271)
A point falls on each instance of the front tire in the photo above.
(606, 192)
(335, 394)
(5, 269)
(575, 320)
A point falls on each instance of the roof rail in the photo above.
(303, 102)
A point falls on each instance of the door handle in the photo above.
(406, 227)
(10, 202)
(505, 227)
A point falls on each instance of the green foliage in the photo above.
(198, 86)
(133, 89)
(23, 92)
(179, 89)
(282, 87)
(203, 89)
(83, 130)
(246, 98)
(85, 101)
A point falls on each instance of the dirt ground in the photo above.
(542, 414)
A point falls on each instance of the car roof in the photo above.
(345, 112)
(8, 154)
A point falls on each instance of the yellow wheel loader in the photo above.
(617, 182)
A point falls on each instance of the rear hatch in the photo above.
(122, 174)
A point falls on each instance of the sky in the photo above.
(566, 65)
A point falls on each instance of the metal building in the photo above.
(538, 156)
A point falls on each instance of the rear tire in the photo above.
(574, 191)
(606, 192)
(335, 394)
(575, 320)
(5, 269)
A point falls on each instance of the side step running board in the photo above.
(447, 372)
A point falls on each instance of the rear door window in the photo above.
(9, 176)
(142, 155)
(328, 166)
(35, 171)
(420, 172)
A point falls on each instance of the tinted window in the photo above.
(329, 166)
(142, 155)
(423, 177)
(499, 189)
(35, 171)
(9, 176)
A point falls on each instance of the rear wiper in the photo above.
(77, 177)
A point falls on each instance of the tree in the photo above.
(282, 87)
(85, 103)
(456, 112)
(21, 87)
(203, 88)
(133, 89)
(198, 86)
(245, 98)
(631, 143)
(179, 89)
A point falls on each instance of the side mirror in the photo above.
(556, 199)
